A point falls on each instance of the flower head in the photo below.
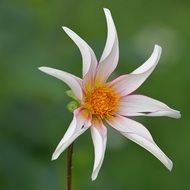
(110, 102)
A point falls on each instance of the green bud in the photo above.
(71, 106)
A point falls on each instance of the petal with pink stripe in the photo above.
(99, 137)
(80, 123)
(128, 83)
(72, 81)
(137, 105)
(110, 55)
(88, 56)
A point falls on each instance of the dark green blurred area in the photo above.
(33, 115)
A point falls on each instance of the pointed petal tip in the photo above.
(176, 114)
(42, 68)
(170, 165)
(106, 10)
(65, 28)
(179, 115)
(45, 69)
(54, 157)
(158, 48)
(93, 177)
(69, 32)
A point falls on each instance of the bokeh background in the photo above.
(33, 114)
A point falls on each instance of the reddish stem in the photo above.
(69, 166)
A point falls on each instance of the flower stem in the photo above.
(69, 166)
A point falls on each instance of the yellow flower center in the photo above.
(102, 101)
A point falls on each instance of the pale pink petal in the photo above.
(88, 56)
(140, 135)
(78, 126)
(72, 81)
(110, 56)
(99, 137)
(127, 125)
(137, 105)
(128, 83)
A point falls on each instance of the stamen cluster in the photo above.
(102, 101)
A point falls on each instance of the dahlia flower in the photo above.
(102, 102)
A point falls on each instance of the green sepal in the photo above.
(71, 94)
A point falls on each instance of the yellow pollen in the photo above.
(102, 101)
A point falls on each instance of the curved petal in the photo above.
(79, 125)
(126, 125)
(72, 81)
(110, 56)
(152, 148)
(99, 137)
(136, 105)
(140, 135)
(88, 56)
(128, 83)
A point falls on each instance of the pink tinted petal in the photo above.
(127, 125)
(78, 126)
(136, 105)
(88, 56)
(128, 83)
(140, 135)
(72, 81)
(110, 56)
(99, 137)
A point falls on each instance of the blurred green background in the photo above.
(33, 115)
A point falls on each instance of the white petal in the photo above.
(127, 125)
(152, 148)
(151, 62)
(136, 105)
(88, 56)
(99, 137)
(75, 129)
(140, 135)
(72, 81)
(110, 56)
(126, 84)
